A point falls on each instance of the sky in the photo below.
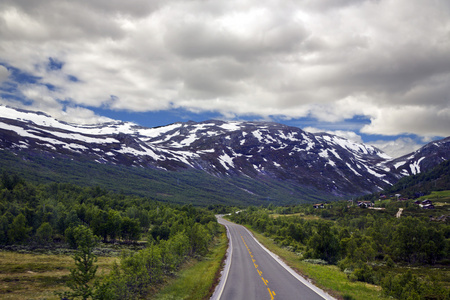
(374, 71)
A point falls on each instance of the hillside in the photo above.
(436, 179)
(183, 187)
(206, 162)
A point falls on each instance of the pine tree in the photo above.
(84, 272)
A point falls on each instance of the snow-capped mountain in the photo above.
(266, 151)
(422, 159)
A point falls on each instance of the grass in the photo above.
(38, 276)
(302, 215)
(440, 196)
(327, 277)
(196, 279)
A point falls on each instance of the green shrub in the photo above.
(365, 274)
(316, 261)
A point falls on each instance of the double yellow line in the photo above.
(266, 282)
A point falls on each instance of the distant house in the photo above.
(402, 199)
(319, 205)
(383, 197)
(365, 204)
(428, 206)
(417, 202)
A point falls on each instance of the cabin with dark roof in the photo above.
(365, 204)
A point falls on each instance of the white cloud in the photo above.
(75, 115)
(79, 115)
(394, 148)
(398, 147)
(350, 135)
(331, 60)
(421, 120)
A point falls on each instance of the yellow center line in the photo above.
(265, 282)
(272, 293)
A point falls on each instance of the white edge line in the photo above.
(227, 268)
(318, 291)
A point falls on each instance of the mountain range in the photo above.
(325, 165)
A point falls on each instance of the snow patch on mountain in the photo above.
(226, 161)
(351, 168)
(273, 150)
(231, 126)
(324, 153)
(415, 166)
(157, 131)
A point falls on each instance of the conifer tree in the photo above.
(83, 274)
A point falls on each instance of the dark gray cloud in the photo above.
(4, 73)
(388, 60)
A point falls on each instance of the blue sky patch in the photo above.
(54, 64)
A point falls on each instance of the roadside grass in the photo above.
(301, 215)
(327, 277)
(38, 276)
(196, 279)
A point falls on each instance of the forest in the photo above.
(369, 245)
(160, 236)
(406, 255)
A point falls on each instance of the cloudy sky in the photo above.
(376, 71)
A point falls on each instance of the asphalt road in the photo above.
(252, 272)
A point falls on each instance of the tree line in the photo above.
(82, 217)
(40, 214)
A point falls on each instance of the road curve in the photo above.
(253, 272)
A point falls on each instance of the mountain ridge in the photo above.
(259, 150)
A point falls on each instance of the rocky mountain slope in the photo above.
(258, 150)
(421, 160)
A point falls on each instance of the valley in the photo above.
(145, 200)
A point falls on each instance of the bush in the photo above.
(316, 261)
(132, 278)
(365, 274)
(411, 287)
(389, 262)
(323, 244)
(402, 286)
